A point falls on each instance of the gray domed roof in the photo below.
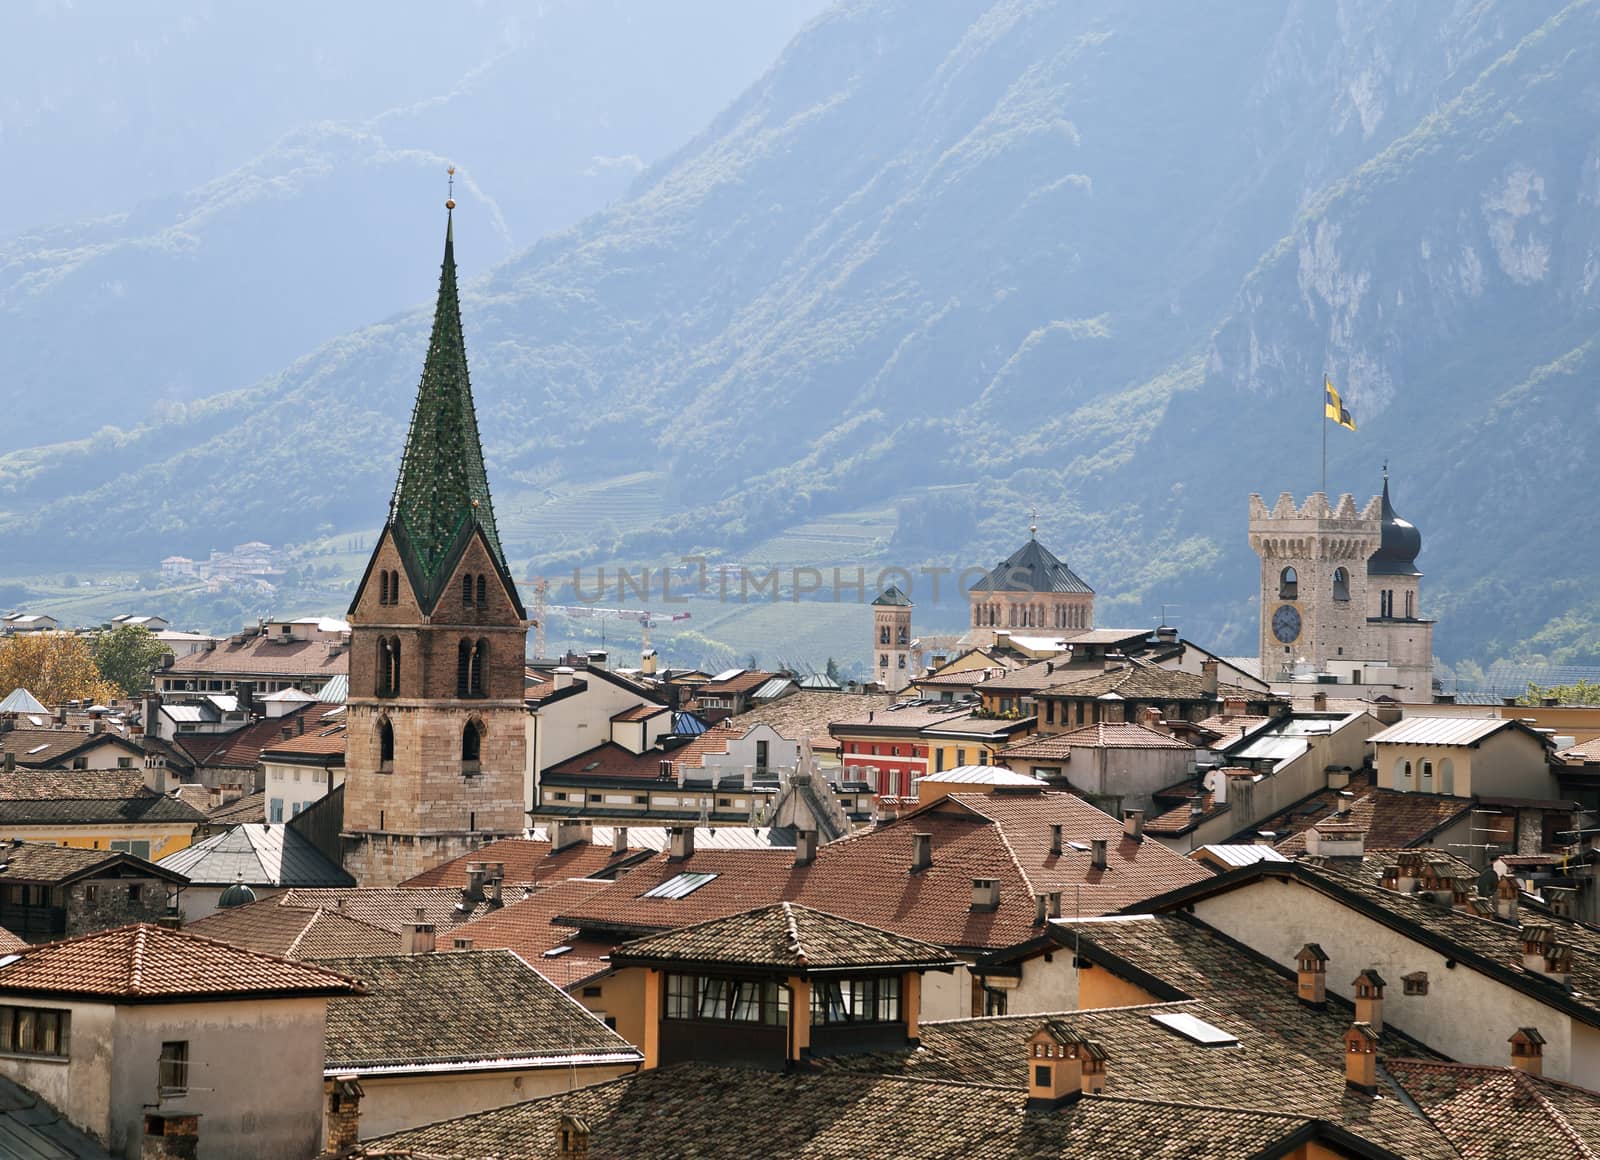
(1397, 555)
(236, 895)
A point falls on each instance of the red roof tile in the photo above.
(242, 748)
(527, 860)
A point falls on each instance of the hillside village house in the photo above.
(51, 892)
(303, 654)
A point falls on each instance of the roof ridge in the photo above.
(1524, 1081)
(136, 960)
(795, 947)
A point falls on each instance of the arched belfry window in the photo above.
(388, 681)
(470, 658)
(1341, 584)
(471, 743)
(466, 589)
(385, 741)
(383, 587)
(483, 591)
(1288, 585)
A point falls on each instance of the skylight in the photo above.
(678, 886)
(1198, 1030)
(38, 749)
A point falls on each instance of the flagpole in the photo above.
(1323, 418)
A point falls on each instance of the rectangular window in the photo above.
(34, 1031)
(135, 892)
(124, 763)
(174, 1070)
(961, 758)
(708, 999)
(761, 755)
(139, 848)
(275, 810)
(870, 1000)
(91, 893)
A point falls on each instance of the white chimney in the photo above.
(563, 676)
(1055, 837)
(921, 852)
(419, 938)
(682, 843)
(1098, 846)
(1133, 824)
(805, 847)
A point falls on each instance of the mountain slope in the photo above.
(966, 257)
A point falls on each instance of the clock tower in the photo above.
(1313, 581)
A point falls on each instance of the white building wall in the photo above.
(1465, 1015)
(947, 996)
(80, 1085)
(394, 1104)
(573, 724)
(293, 788)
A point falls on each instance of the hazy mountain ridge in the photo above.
(967, 257)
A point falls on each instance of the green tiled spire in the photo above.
(443, 487)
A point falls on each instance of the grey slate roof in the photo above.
(31, 1129)
(1032, 568)
(257, 854)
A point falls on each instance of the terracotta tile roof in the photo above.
(808, 713)
(391, 907)
(906, 717)
(1180, 819)
(146, 963)
(527, 926)
(1232, 725)
(44, 748)
(834, 1113)
(1146, 681)
(321, 741)
(10, 942)
(86, 796)
(972, 725)
(252, 807)
(528, 860)
(743, 681)
(39, 862)
(296, 933)
(1392, 820)
(714, 740)
(461, 1011)
(1000, 837)
(787, 936)
(242, 748)
(194, 794)
(962, 678)
(640, 713)
(1503, 1111)
(265, 656)
(608, 759)
(1105, 735)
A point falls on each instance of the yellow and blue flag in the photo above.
(1333, 407)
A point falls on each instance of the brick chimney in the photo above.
(1150, 717)
(985, 895)
(1361, 1058)
(1507, 897)
(1311, 985)
(344, 1112)
(1560, 900)
(1063, 1066)
(1208, 673)
(1133, 824)
(1235, 707)
(680, 842)
(1369, 987)
(1319, 702)
(1055, 838)
(1527, 1050)
(1097, 847)
(569, 832)
(169, 1136)
(1407, 870)
(921, 852)
(572, 1138)
(805, 847)
(420, 938)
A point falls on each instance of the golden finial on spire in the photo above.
(450, 199)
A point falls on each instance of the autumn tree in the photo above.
(53, 666)
(125, 656)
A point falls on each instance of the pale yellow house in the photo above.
(94, 809)
(1465, 757)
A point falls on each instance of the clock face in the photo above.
(1286, 623)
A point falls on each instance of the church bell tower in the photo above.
(437, 733)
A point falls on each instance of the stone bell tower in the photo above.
(1313, 580)
(437, 735)
(891, 639)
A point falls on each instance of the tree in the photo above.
(125, 655)
(832, 670)
(1579, 693)
(53, 666)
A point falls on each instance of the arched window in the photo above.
(1341, 584)
(471, 743)
(388, 677)
(466, 589)
(394, 588)
(1288, 585)
(383, 587)
(385, 741)
(483, 591)
(883, 634)
(902, 636)
(1402, 775)
(1447, 776)
(480, 657)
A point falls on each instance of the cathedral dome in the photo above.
(1397, 555)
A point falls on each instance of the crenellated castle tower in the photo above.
(437, 743)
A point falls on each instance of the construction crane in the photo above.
(645, 618)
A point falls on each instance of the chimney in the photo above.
(1098, 846)
(1560, 900)
(805, 847)
(597, 659)
(1319, 702)
(921, 852)
(562, 676)
(1235, 707)
(1369, 999)
(985, 895)
(1536, 937)
(1197, 807)
(245, 692)
(344, 1112)
(1407, 869)
(1361, 1058)
(419, 938)
(1062, 1067)
(1133, 824)
(473, 893)
(11, 762)
(1527, 1050)
(680, 842)
(1040, 904)
(170, 1136)
(96, 725)
(1311, 986)
(496, 899)
(1150, 717)
(572, 1139)
(1208, 673)
(1055, 838)
(1507, 896)
(1336, 840)
(619, 839)
(569, 832)
(1055, 903)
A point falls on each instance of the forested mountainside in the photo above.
(958, 258)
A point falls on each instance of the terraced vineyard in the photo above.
(846, 538)
(564, 515)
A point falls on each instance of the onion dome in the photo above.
(1397, 555)
(236, 895)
